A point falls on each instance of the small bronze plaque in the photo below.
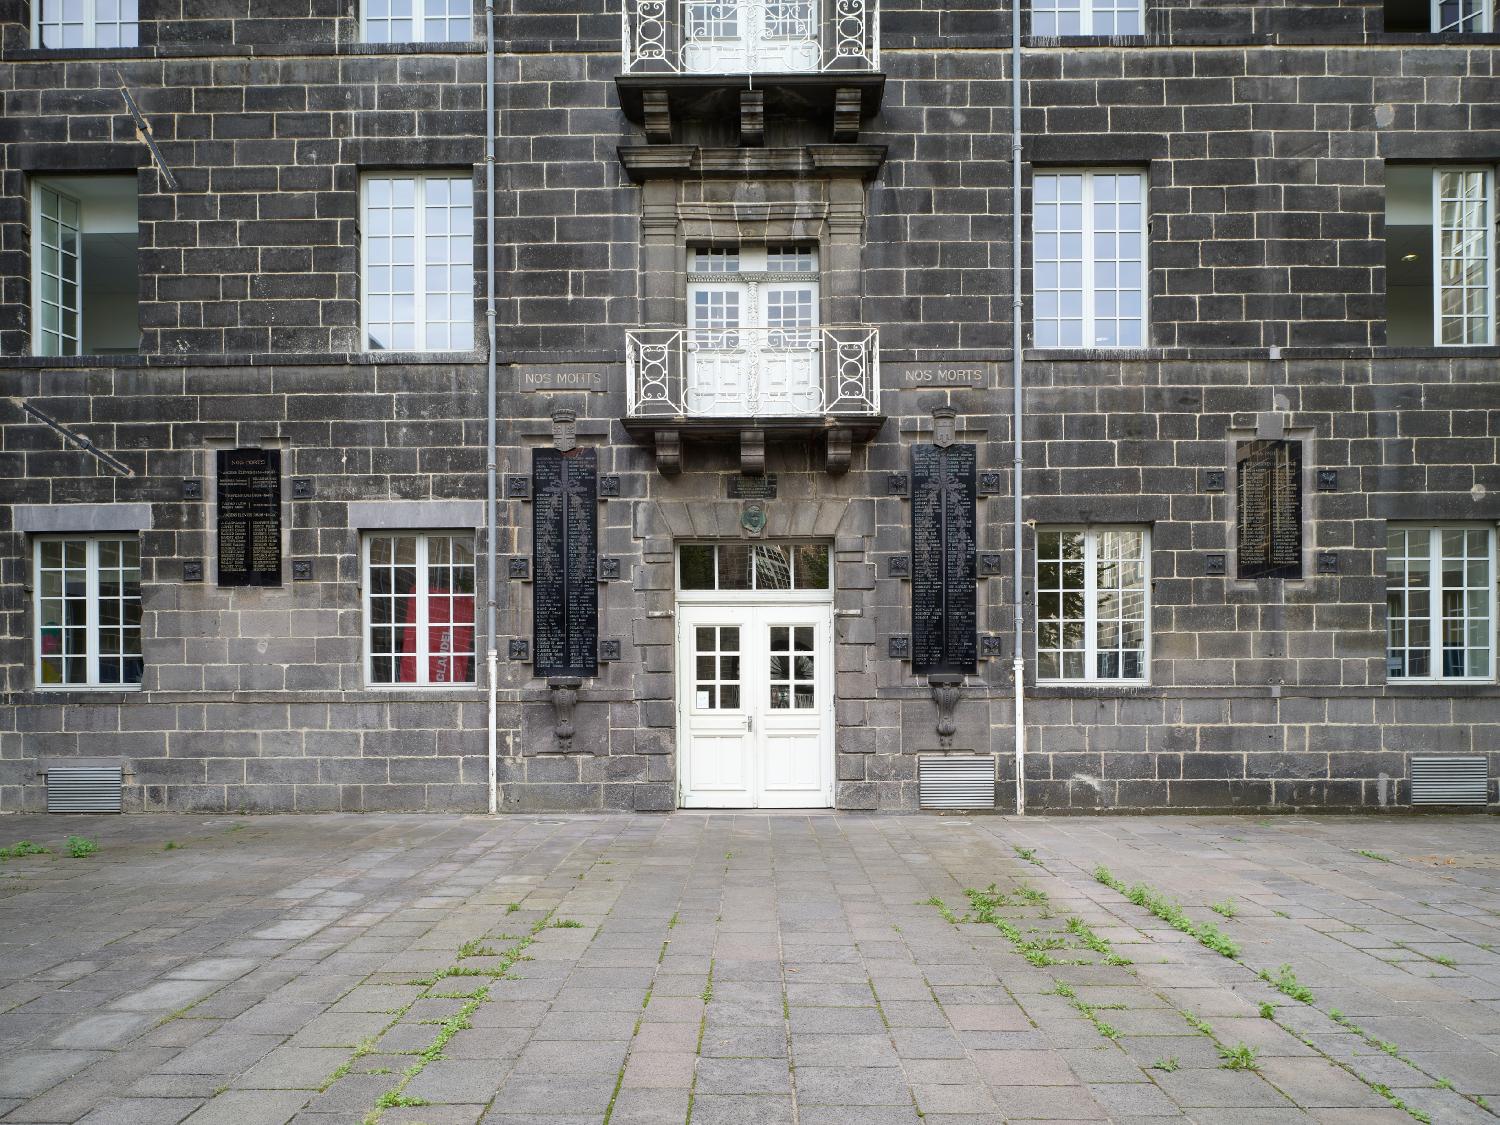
(752, 488)
(609, 650)
(609, 486)
(898, 566)
(302, 488)
(192, 489)
(899, 647)
(302, 570)
(519, 648)
(519, 567)
(1215, 565)
(192, 570)
(517, 487)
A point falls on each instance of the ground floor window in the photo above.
(419, 608)
(88, 612)
(1440, 585)
(1092, 606)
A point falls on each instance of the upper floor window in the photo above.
(418, 21)
(1091, 603)
(88, 612)
(1085, 17)
(418, 255)
(1440, 586)
(85, 288)
(753, 344)
(1089, 259)
(1440, 256)
(85, 23)
(419, 609)
(1447, 16)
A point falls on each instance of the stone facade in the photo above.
(1266, 131)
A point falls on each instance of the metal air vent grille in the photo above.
(1450, 780)
(954, 782)
(81, 789)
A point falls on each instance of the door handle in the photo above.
(749, 724)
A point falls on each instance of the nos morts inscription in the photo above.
(565, 561)
(944, 587)
(1268, 487)
(249, 511)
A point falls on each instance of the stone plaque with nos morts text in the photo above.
(249, 516)
(561, 377)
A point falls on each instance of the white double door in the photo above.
(755, 716)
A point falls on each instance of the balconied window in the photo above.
(84, 23)
(1440, 256)
(750, 36)
(753, 345)
(1440, 16)
(1054, 18)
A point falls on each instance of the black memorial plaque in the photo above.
(1268, 487)
(944, 586)
(753, 488)
(249, 511)
(565, 561)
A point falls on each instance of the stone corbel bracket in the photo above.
(946, 689)
(564, 691)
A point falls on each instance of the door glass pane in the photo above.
(716, 668)
(773, 567)
(697, 567)
(791, 668)
(734, 567)
(811, 572)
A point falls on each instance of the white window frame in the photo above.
(1435, 605)
(1483, 24)
(1086, 16)
(1487, 224)
(91, 612)
(753, 281)
(1090, 262)
(90, 22)
(422, 624)
(66, 345)
(419, 22)
(419, 205)
(1091, 677)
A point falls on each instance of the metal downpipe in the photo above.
(491, 529)
(1017, 427)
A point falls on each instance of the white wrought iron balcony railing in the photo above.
(750, 36)
(753, 372)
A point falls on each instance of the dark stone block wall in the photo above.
(1266, 130)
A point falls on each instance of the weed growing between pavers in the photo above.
(81, 846)
(1436, 958)
(1029, 855)
(1168, 1064)
(1376, 856)
(707, 995)
(1238, 1057)
(447, 1028)
(22, 848)
(1171, 913)
(1285, 982)
(1227, 908)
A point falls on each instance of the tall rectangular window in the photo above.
(419, 608)
(418, 262)
(1053, 18)
(1440, 256)
(1440, 584)
(84, 274)
(1092, 614)
(418, 21)
(1089, 259)
(88, 612)
(86, 23)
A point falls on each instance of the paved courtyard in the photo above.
(742, 969)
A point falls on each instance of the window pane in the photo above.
(812, 567)
(697, 567)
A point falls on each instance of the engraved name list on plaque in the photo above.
(565, 562)
(249, 517)
(944, 583)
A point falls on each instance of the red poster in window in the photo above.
(450, 638)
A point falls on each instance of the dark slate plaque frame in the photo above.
(249, 517)
(944, 577)
(1268, 502)
(565, 562)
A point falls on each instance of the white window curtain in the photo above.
(418, 262)
(1089, 259)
